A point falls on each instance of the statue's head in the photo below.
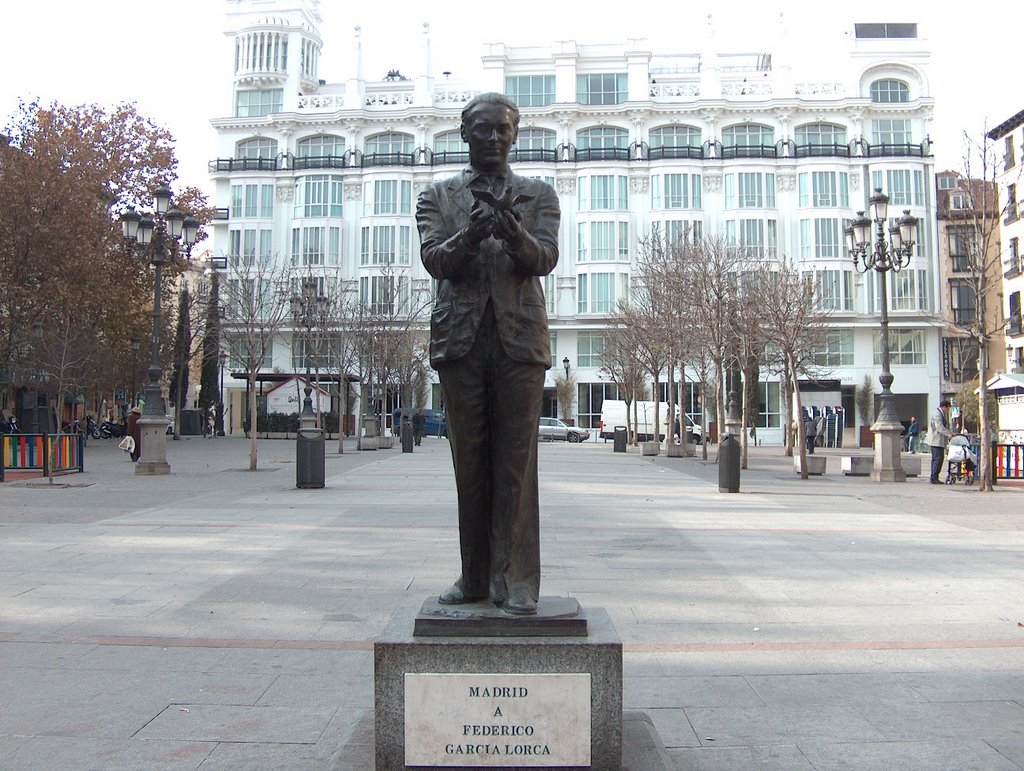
(490, 125)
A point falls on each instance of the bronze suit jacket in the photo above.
(470, 277)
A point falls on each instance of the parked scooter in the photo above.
(92, 428)
(109, 429)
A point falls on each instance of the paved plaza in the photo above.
(218, 618)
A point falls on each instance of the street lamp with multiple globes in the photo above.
(883, 256)
(157, 235)
(223, 356)
(306, 310)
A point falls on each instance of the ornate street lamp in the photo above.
(565, 363)
(883, 256)
(135, 367)
(223, 356)
(158, 236)
(306, 308)
(37, 334)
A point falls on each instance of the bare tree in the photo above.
(621, 362)
(256, 311)
(974, 228)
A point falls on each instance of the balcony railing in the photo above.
(670, 153)
(964, 316)
(243, 164)
(750, 151)
(822, 151)
(603, 154)
(319, 162)
(961, 263)
(896, 150)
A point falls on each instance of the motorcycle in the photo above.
(111, 430)
(92, 428)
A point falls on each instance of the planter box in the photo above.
(385, 442)
(650, 448)
(858, 465)
(912, 466)
(679, 450)
(815, 464)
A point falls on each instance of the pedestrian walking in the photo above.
(419, 422)
(810, 434)
(938, 437)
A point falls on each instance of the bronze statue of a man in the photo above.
(488, 235)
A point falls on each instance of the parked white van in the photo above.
(613, 413)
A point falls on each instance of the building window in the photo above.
(837, 350)
(896, 184)
(259, 147)
(833, 289)
(821, 134)
(531, 90)
(322, 146)
(318, 195)
(245, 245)
(749, 190)
(1011, 203)
(962, 302)
(309, 246)
(602, 192)
(603, 138)
(387, 196)
(891, 131)
(535, 139)
(673, 231)
(824, 189)
(238, 354)
(254, 104)
(908, 290)
(906, 346)
(602, 242)
(675, 191)
(252, 201)
(385, 245)
(384, 294)
(889, 91)
(589, 349)
(947, 182)
(754, 238)
(769, 411)
(389, 144)
(748, 135)
(675, 136)
(822, 237)
(598, 291)
(549, 299)
(601, 88)
(590, 402)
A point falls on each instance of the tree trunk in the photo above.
(798, 416)
(985, 450)
(252, 424)
(743, 425)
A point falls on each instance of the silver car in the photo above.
(553, 428)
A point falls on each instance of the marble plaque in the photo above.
(497, 720)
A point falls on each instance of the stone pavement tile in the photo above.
(673, 727)
(17, 654)
(319, 692)
(949, 755)
(646, 693)
(1010, 747)
(860, 689)
(781, 725)
(642, 665)
(48, 752)
(260, 757)
(774, 757)
(963, 720)
(968, 686)
(358, 752)
(230, 723)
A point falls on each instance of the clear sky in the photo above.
(174, 61)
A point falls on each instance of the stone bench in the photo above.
(912, 466)
(815, 464)
(858, 465)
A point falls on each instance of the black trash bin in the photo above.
(619, 443)
(406, 433)
(310, 458)
(729, 464)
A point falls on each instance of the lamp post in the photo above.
(223, 356)
(157, 236)
(135, 367)
(565, 363)
(305, 308)
(883, 256)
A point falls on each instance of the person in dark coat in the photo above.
(135, 432)
(419, 423)
(488, 235)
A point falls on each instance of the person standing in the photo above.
(488, 235)
(134, 430)
(810, 434)
(419, 422)
(938, 437)
(913, 431)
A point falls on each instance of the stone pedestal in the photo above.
(888, 444)
(153, 437)
(498, 701)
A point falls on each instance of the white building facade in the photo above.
(635, 142)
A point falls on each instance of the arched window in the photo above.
(602, 138)
(821, 134)
(322, 146)
(258, 147)
(675, 136)
(389, 142)
(748, 135)
(535, 139)
(888, 91)
(449, 142)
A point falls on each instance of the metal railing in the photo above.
(50, 454)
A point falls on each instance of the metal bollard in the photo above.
(619, 442)
(406, 433)
(310, 459)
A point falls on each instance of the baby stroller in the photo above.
(961, 461)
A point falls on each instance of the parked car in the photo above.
(553, 428)
(434, 424)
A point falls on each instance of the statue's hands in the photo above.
(508, 228)
(481, 225)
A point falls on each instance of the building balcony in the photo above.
(964, 316)
(961, 263)
(1016, 327)
(243, 164)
